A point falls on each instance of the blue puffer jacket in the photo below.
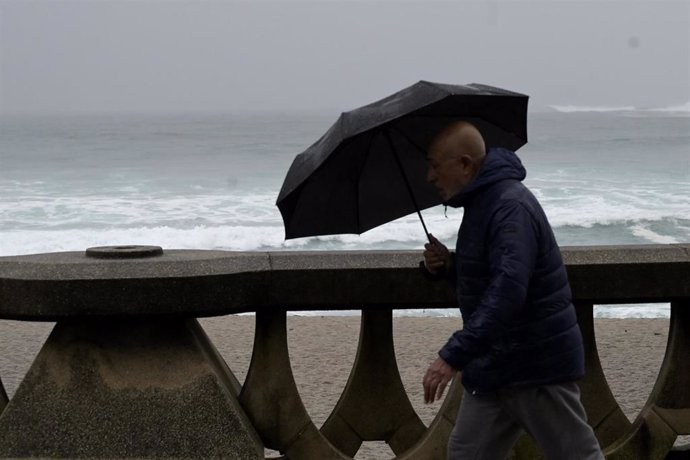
(519, 325)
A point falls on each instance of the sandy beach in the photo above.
(322, 350)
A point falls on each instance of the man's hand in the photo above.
(436, 379)
(436, 255)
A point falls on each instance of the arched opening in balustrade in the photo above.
(322, 349)
(417, 342)
(233, 337)
(631, 341)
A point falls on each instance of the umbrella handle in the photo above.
(407, 182)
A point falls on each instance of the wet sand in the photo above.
(322, 350)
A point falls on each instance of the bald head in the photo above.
(460, 138)
(455, 155)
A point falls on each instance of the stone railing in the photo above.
(129, 372)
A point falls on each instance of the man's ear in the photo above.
(466, 162)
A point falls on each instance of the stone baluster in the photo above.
(271, 399)
(374, 405)
(603, 412)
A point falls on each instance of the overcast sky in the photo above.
(130, 56)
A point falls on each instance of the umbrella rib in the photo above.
(386, 133)
(359, 175)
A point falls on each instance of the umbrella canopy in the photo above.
(370, 167)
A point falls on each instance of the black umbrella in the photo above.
(370, 166)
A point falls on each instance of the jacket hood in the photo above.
(499, 164)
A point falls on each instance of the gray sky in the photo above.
(102, 56)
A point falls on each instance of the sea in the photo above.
(604, 175)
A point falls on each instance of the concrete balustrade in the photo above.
(128, 371)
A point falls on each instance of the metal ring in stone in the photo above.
(124, 252)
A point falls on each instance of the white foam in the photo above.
(586, 204)
(685, 108)
(650, 310)
(138, 209)
(414, 312)
(267, 233)
(677, 109)
(643, 231)
(584, 108)
(234, 238)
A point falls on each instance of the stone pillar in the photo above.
(128, 388)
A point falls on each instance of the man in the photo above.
(520, 350)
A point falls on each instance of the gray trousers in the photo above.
(488, 425)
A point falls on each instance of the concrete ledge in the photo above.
(629, 274)
(207, 283)
(185, 283)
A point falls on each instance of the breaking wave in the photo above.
(680, 109)
(580, 108)
(675, 108)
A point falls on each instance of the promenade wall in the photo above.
(128, 371)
